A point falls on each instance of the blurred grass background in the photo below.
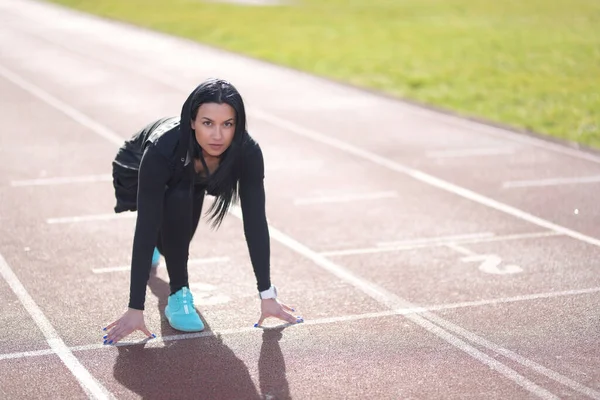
(531, 64)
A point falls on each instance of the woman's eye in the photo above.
(206, 123)
(228, 124)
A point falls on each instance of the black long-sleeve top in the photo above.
(155, 173)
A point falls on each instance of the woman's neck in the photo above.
(212, 162)
(208, 157)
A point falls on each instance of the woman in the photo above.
(222, 160)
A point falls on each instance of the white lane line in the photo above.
(345, 198)
(458, 153)
(551, 182)
(92, 217)
(67, 180)
(503, 134)
(540, 369)
(295, 166)
(91, 386)
(447, 118)
(512, 299)
(423, 177)
(193, 261)
(318, 137)
(62, 107)
(460, 249)
(26, 354)
(378, 293)
(62, 180)
(324, 321)
(394, 302)
(449, 240)
(437, 240)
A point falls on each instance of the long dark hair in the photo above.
(224, 182)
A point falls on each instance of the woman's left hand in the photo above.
(273, 308)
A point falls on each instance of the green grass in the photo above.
(531, 64)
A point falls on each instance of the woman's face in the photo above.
(214, 127)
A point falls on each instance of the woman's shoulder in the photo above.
(163, 135)
(251, 148)
(252, 153)
(252, 159)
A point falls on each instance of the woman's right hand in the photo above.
(132, 320)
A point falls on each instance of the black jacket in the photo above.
(165, 138)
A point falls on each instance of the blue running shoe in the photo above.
(155, 258)
(181, 314)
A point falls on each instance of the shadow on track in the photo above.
(202, 368)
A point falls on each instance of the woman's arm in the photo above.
(154, 174)
(256, 230)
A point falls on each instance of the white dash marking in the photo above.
(513, 299)
(551, 182)
(469, 152)
(295, 166)
(203, 294)
(193, 261)
(460, 249)
(202, 287)
(87, 382)
(25, 354)
(437, 240)
(346, 198)
(93, 217)
(62, 180)
(403, 246)
(211, 299)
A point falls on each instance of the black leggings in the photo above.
(173, 243)
(167, 218)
